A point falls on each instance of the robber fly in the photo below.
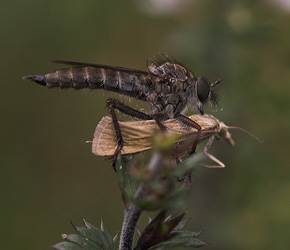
(168, 86)
(138, 135)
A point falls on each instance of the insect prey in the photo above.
(138, 135)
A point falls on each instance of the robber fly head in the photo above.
(203, 92)
(193, 91)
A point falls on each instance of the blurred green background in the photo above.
(49, 175)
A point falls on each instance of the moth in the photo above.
(138, 135)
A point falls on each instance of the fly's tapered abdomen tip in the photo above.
(36, 78)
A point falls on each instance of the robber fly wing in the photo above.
(81, 64)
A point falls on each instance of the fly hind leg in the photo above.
(113, 104)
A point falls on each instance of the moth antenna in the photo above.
(247, 132)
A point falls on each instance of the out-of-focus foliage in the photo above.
(48, 174)
(88, 238)
(164, 233)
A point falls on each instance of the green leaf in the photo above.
(174, 201)
(81, 241)
(107, 236)
(99, 237)
(188, 165)
(181, 225)
(179, 242)
(182, 239)
(116, 238)
(67, 246)
(188, 233)
(88, 238)
(128, 184)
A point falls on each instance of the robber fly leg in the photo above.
(192, 124)
(158, 119)
(119, 136)
(205, 150)
(113, 104)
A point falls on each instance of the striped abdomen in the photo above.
(133, 84)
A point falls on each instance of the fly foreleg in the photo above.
(192, 124)
(191, 142)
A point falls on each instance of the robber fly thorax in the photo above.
(169, 88)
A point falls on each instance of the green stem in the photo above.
(133, 212)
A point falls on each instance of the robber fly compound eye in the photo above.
(202, 88)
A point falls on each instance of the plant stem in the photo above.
(132, 215)
(133, 212)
